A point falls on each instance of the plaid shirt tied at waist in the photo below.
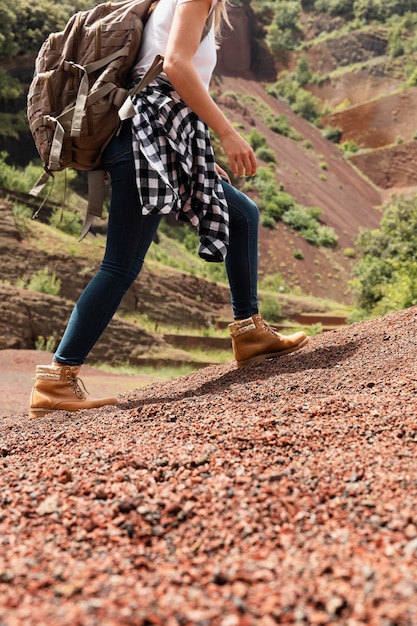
(175, 167)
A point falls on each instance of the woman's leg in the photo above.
(129, 236)
(242, 255)
(253, 340)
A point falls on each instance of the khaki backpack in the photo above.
(78, 95)
(75, 101)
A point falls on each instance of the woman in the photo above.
(160, 162)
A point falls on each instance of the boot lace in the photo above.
(77, 386)
(270, 330)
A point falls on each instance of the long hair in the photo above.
(220, 15)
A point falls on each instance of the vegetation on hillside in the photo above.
(385, 278)
(276, 204)
(285, 23)
(386, 274)
(24, 26)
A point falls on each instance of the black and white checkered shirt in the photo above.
(175, 167)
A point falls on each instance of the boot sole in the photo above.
(34, 413)
(264, 357)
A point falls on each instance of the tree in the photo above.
(284, 32)
(303, 72)
(386, 275)
(8, 46)
(24, 25)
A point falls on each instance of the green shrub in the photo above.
(21, 212)
(303, 73)
(349, 147)
(49, 344)
(396, 46)
(284, 31)
(271, 308)
(191, 239)
(13, 177)
(44, 282)
(298, 218)
(10, 87)
(385, 277)
(231, 94)
(281, 125)
(314, 329)
(300, 100)
(67, 221)
(307, 105)
(266, 154)
(314, 212)
(276, 204)
(285, 201)
(382, 10)
(332, 133)
(265, 175)
(326, 236)
(272, 282)
(267, 221)
(302, 220)
(334, 7)
(256, 139)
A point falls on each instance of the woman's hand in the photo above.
(184, 39)
(240, 154)
(222, 173)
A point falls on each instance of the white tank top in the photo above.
(155, 39)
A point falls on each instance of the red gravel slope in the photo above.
(284, 493)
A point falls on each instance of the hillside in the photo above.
(363, 91)
(368, 90)
(349, 201)
(311, 169)
(283, 493)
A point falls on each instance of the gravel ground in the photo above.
(284, 493)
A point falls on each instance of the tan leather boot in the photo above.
(57, 388)
(253, 341)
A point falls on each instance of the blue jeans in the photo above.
(129, 236)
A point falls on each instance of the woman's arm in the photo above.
(184, 39)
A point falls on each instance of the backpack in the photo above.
(75, 100)
(78, 96)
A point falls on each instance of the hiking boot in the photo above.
(58, 388)
(253, 341)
